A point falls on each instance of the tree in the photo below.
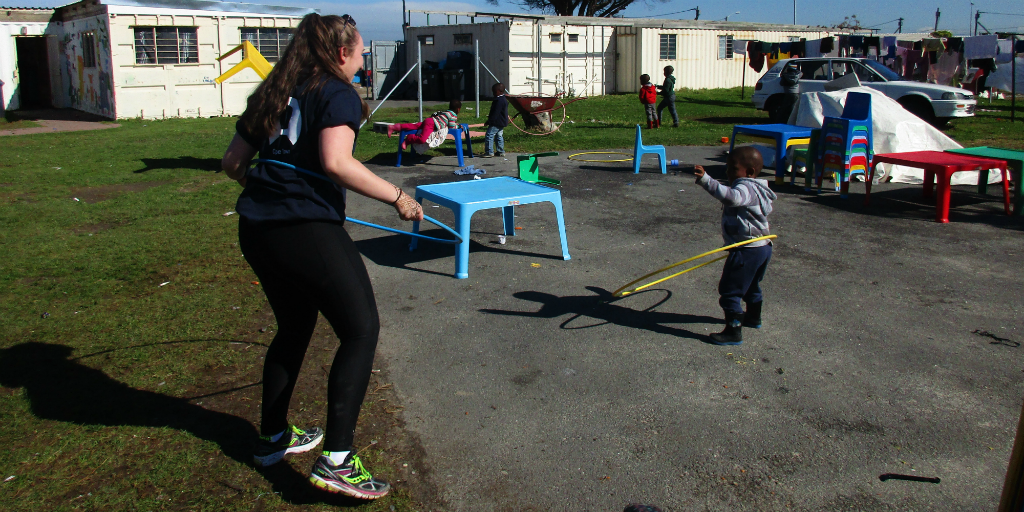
(849, 22)
(596, 8)
(942, 33)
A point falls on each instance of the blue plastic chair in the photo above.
(455, 132)
(640, 150)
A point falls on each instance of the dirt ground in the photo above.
(59, 120)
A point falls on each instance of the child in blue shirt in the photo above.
(497, 120)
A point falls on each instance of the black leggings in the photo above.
(305, 268)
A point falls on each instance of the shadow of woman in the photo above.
(601, 307)
(62, 389)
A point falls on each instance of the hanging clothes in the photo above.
(756, 56)
(827, 44)
(944, 68)
(739, 46)
(813, 48)
(916, 65)
(873, 41)
(844, 46)
(1005, 51)
(888, 41)
(1020, 46)
(799, 48)
(980, 47)
(955, 44)
(857, 44)
(932, 45)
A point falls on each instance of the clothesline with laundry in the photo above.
(933, 59)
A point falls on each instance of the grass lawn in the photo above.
(133, 331)
(14, 124)
(705, 117)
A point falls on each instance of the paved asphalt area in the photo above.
(891, 345)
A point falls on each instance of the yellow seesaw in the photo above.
(621, 293)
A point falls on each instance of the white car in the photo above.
(934, 103)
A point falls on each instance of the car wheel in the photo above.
(920, 107)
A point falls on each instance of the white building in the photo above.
(564, 51)
(144, 58)
(28, 40)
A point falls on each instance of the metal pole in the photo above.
(938, 13)
(794, 12)
(743, 81)
(476, 74)
(1013, 83)
(419, 75)
(489, 72)
(540, 78)
(388, 95)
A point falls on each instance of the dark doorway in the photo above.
(34, 71)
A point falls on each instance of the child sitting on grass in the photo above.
(441, 119)
(746, 205)
(648, 96)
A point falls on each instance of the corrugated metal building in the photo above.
(157, 58)
(563, 52)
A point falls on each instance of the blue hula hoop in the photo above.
(458, 239)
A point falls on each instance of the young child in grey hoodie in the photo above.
(746, 205)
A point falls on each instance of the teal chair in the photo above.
(640, 150)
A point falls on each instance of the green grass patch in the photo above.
(15, 124)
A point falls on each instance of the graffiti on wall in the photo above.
(89, 87)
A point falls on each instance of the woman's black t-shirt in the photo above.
(275, 194)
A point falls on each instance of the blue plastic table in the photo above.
(465, 198)
(457, 133)
(781, 133)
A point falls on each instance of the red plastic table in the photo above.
(941, 165)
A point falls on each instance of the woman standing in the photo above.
(291, 231)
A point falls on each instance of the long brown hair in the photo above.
(311, 57)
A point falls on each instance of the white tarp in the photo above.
(894, 130)
(1002, 77)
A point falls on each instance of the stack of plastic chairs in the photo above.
(844, 146)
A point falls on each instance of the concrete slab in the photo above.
(891, 345)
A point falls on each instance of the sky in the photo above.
(382, 19)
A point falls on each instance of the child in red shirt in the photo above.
(648, 97)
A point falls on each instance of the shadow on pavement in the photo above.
(601, 306)
(393, 251)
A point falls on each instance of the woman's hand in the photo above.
(408, 208)
(698, 171)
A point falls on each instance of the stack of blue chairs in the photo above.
(845, 144)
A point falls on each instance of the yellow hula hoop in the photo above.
(570, 157)
(621, 293)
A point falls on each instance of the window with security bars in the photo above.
(724, 47)
(271, 42)
(89, 49)
(166, 45)
(668, 47)
(463, 38)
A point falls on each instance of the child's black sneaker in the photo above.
(294, 440)
(350, 479)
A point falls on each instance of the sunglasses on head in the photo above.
(349, 20)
